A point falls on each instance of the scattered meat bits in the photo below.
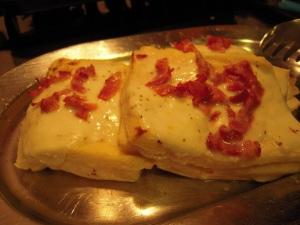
(63, 75)
(51, 103)
(43, 84)
(217, 43)
(205, 69)
(111, 86)
(214, 116)
(184, 45)
(81, 75)
(163, 73)
(230, 113)
(245, 149)
(235, 86)
(80, 106)
(249, 94)
(163, 89)
(74, 101)
(48, 81)
(239, 78)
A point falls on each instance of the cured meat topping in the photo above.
(238, 78)
(217, 43)
(51, 103)
(80, 106)
(81, 75)
(184, 45)
(48, 81)
(111, 86)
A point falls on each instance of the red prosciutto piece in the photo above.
(204, 68)
(245, 149)
(111, 86)
(215, 143)
(214, 116)
(240, 97)
(42, 85)
(201, 93)
(231, 114)
(218, 43)
(250, 149)
(228, 134)
(163, 73)
(46, 82)
(83, 111)
(80, 106)
(74, 101)
(90, 70)
(164, 89)
(184, 45)
(51, 103)
(236, 86)
(81, 75)
(217, 96)
(63, 75)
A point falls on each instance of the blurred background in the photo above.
(32, 27)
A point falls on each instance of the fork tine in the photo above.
(285, 51)
(270, 49)
(277, 52)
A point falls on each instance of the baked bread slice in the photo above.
(164, 120)
(76, 129)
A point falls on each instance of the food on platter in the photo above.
(73, 121)
(210, 113)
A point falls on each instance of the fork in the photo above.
(281, 45)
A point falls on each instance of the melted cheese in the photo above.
(60, 140)
(177, 131)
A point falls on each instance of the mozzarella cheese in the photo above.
(176, 132)
(137, 128)
(61, 141)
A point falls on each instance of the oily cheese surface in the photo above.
(177, 131)
(60, 140)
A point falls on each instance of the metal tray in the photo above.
(51, 197)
